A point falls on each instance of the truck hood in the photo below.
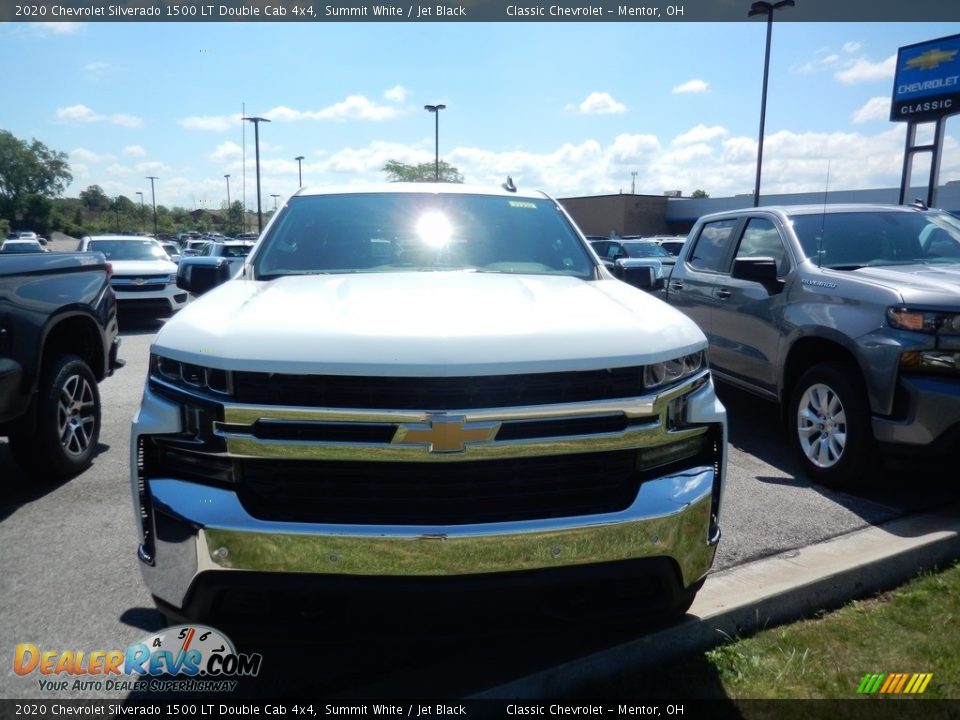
(919, 283)
(428, 323)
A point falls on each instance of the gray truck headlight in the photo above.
(926, 321)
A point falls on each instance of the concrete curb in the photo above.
(775, 590)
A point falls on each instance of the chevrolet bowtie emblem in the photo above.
(931, 59)
(445, 433)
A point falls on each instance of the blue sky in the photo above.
(570, 108)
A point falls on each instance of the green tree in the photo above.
(95, 199)
(29, 169)
(699, 194)
(422, 172)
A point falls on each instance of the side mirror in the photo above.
(762, 270)
(646, 274)
(200, 274)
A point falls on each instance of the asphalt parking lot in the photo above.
(69, 577)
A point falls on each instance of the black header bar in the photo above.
(468, 11)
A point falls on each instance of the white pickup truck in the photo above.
(417, 387)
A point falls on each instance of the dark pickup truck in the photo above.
(846, 315)
(58, 339)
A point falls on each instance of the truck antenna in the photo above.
(823, 219)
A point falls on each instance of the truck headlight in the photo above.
(926, 321)
(934, 361)
(190, 376)
(674, 370)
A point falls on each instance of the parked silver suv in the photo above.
(847, 315)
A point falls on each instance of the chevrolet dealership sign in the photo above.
(927, 84)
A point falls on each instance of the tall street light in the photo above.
(764, 8)
(143, 220)
(299, 159)
(153, 198)
(256, 141)
(435, 109)
(274, 202)
(229, 209)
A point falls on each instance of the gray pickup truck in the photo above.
(58, 339)
(846, 315)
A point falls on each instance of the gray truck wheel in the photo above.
(68, 422)
(829, 426)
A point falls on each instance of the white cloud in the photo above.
(118, 170)
(152, 168)
(83, 114)
(851, 47)
(691, 86)
(686, 154)
(227, 152)
(130, 121)
(397, 93)
(600, 103)
(862, 71)
(876, 108)
(354, 107)
(134, 151)
(700, 134)
(77, 113)
(633, 148)
(87, 156)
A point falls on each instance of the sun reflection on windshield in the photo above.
(434, 229)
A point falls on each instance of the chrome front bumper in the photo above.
(201, 529)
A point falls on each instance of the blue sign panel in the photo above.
(927, 82)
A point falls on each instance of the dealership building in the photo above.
(668, 214)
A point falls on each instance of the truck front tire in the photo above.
(67, 430)
(829, 426)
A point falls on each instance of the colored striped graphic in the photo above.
(894, 683)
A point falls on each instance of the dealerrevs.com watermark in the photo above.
(182, 658)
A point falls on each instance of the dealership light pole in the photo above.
(229, 209)
(274, 202)
(299, 159)
(153, 199)
(143, 220)
(764, 8)
(435, 109)
(256, 142)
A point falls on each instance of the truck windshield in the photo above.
(400, 232)
(128, 249)
(850, 240)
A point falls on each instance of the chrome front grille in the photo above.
(399, 466)
(139, 283)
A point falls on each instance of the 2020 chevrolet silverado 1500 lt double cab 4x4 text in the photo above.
(423, 386)
(58, 339)
(847, 315)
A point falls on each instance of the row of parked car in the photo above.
(145, 270)
(23, 242)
